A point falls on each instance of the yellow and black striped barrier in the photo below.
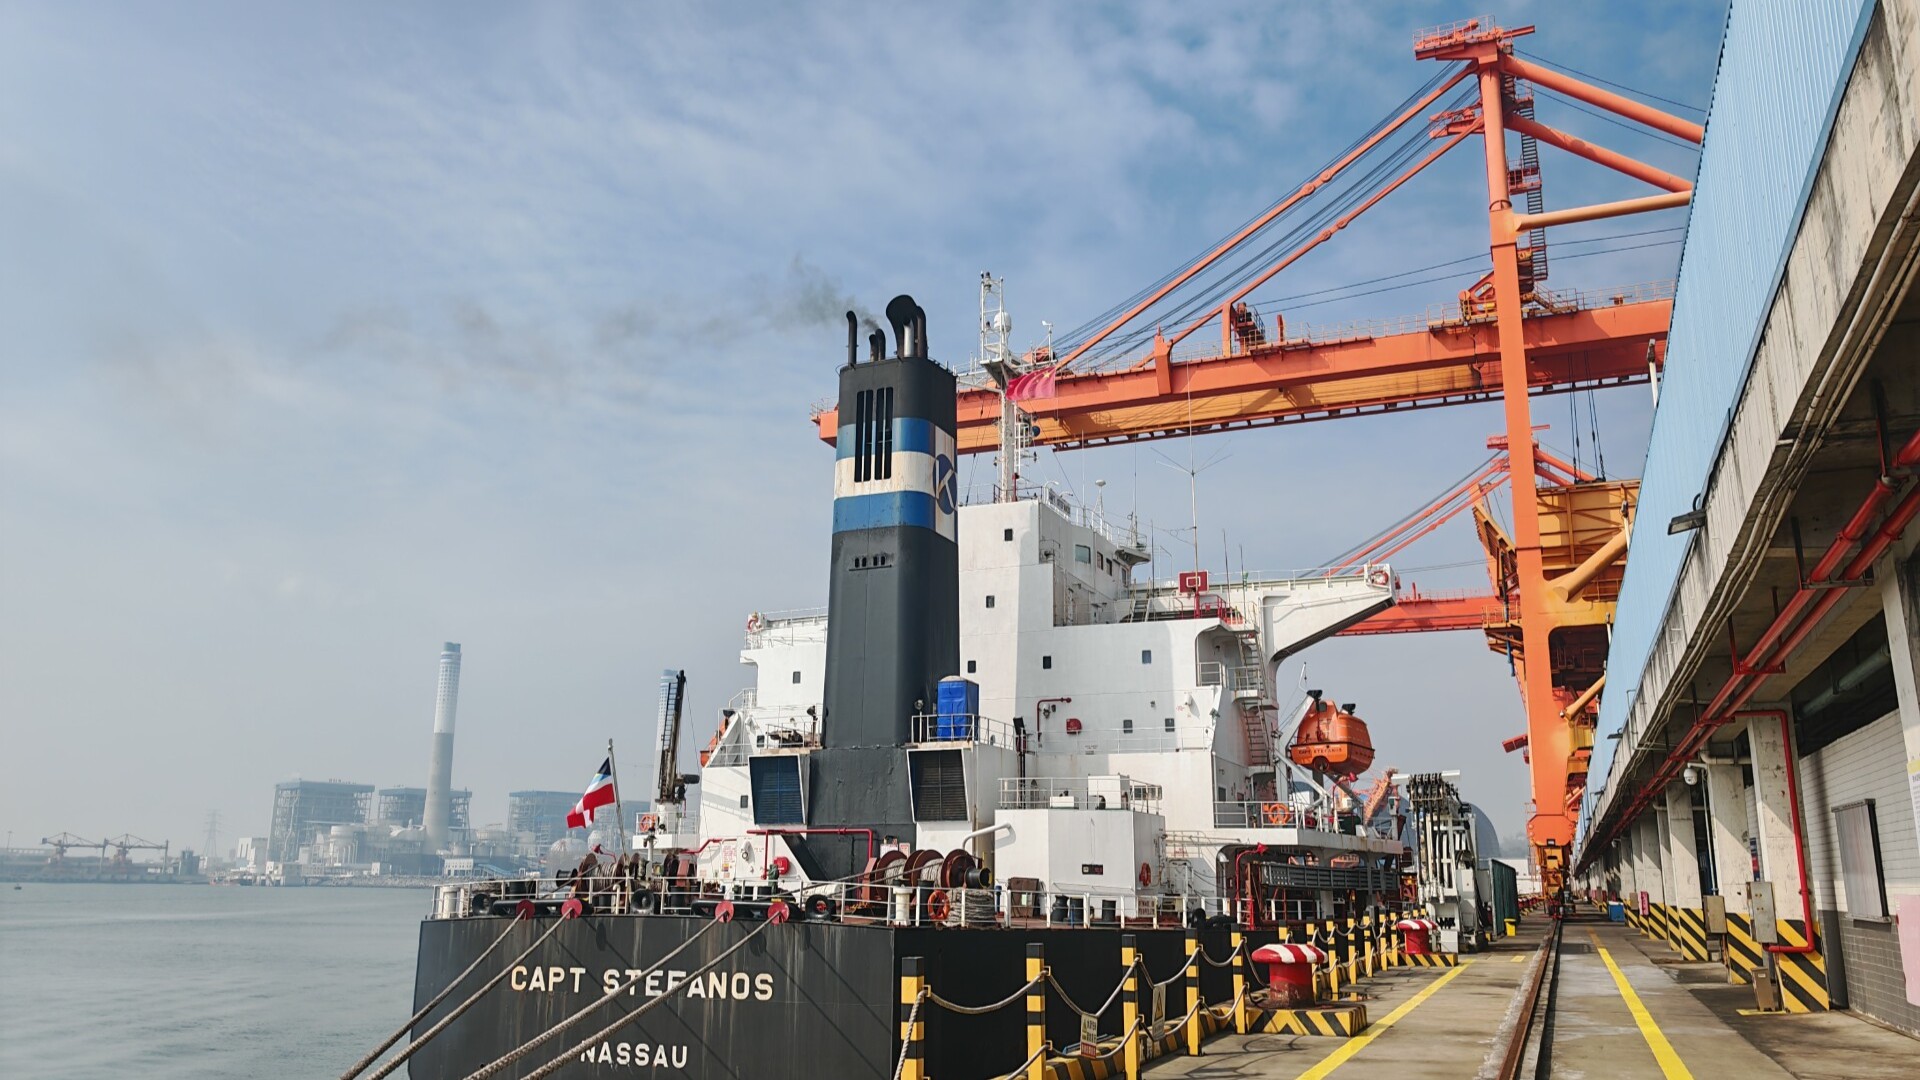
(1435, 959)
(1801, 977)
(913, 1029)
(1689, 932)
(1342, 1021)
(1036, 1012)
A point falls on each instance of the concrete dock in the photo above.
(1626, 1006)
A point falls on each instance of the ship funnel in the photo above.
(893, 624)
(853, 339)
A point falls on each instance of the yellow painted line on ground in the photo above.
(1358, 1043)
(1670, 1064)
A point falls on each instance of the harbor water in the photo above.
(156, 981)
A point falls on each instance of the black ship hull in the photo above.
(803, 999)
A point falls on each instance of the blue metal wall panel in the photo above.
(1784, 65)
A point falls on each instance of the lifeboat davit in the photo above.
(1331, 740)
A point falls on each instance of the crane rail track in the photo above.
(1532, 1035)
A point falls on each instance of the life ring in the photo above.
(1380, 578)
(937, 906)
(1146, 875)
(756, 622)
(1275, 813)
(649, 822)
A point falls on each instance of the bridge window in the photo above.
(1126, 727)
(1082, 553)
(1007, 535)
(989, 599)
(1146, 656)
(796, 678)
(1046, 663)
(972, 666)
(1169, 723)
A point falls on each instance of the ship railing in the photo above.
(759, 729)
(1079, 793)
(1269, 814)
(1090, 742)
(961, 728)
(1240, 680)
(796, 626)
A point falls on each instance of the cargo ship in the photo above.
(999, 734)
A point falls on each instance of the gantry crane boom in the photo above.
(1611, 338)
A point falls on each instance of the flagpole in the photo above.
(619, 811)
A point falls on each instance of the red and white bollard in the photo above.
(1290, 972)
(1418, 934)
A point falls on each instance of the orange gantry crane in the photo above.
(1556, 571)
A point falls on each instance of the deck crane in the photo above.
(670, 784)
(1556, 569)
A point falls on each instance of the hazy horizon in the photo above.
(339, 332)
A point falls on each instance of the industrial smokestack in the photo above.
(440, 770)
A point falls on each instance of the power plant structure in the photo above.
(439, 809)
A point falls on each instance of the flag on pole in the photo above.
(1032, 386)
(599, 793)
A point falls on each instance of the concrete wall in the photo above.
(1867, 764)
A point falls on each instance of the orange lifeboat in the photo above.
(1331, 740)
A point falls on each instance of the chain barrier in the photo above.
(573, 1053)
(906, 1039)
(537, 1041)
(1131, 1034)
(982, 1010)
(1201, 952)
(399, 1059)
(1175, 977)
(1021, 1071)
(374, 1055)
(1111, 998)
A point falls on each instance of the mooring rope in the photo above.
(553, 1032)
(361, 1065)
(436, 1029)
(579, 1048)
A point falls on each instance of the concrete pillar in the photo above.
(1647, 869)
(1777, 842)
(1727, 816)
(1683, 861)
(1899, 577)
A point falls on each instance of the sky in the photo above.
(333, 332)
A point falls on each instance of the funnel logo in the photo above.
(943, 482)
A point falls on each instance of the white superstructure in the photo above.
(1127, 730)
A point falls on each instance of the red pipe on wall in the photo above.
(1790, 628)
